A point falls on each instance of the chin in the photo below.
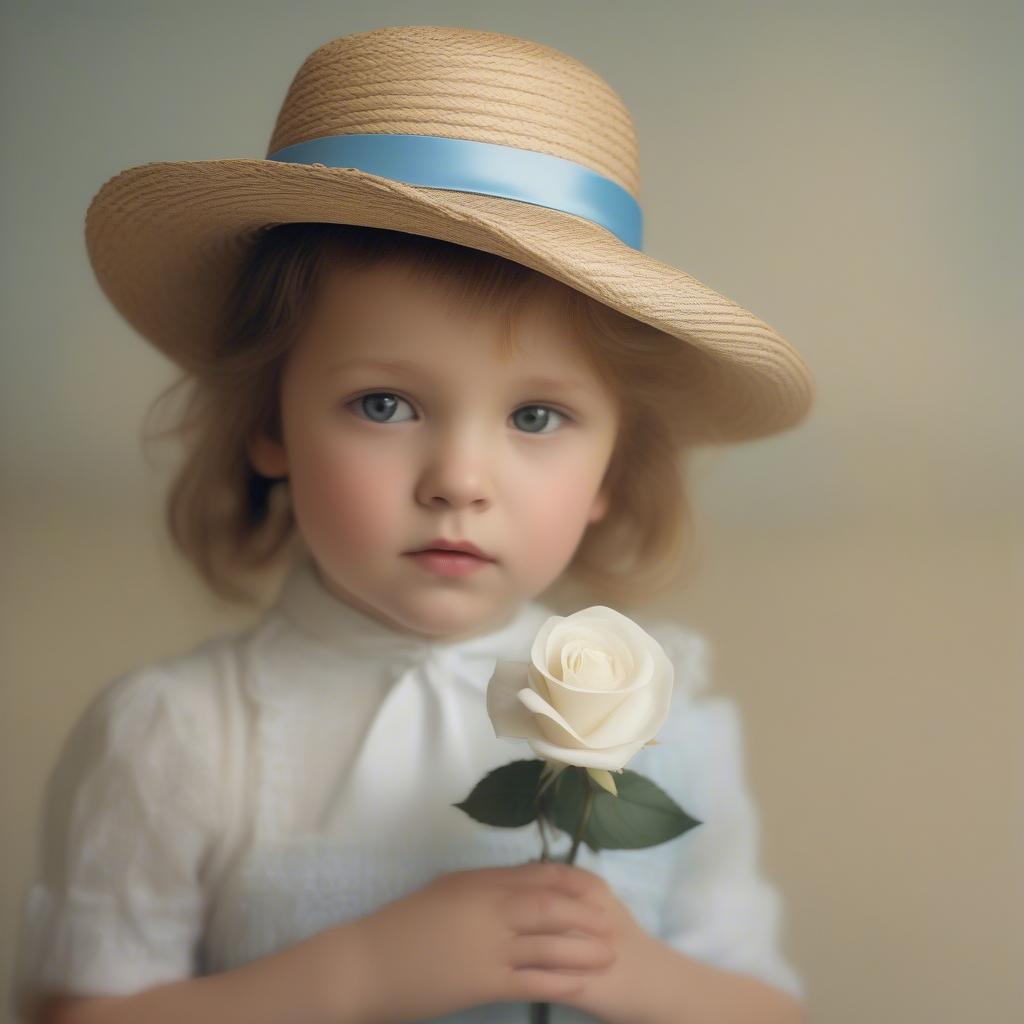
(437, 623)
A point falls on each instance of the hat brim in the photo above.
(165, 240)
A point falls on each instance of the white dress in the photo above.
(221, 805)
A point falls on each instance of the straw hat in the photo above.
(480, 138)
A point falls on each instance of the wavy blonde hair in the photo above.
(231, 522)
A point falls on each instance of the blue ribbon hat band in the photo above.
(465, 165)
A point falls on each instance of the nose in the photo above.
(457, 474)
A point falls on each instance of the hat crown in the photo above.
(462, 84)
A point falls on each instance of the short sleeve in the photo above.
(719, 908)
(117, 903)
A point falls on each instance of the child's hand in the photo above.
(486, 935)
(641, 963)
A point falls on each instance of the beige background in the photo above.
(849, 173)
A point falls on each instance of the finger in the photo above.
(565, 877)
(560, 952)
(543, 910)
(532, 985)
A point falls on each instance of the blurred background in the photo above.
(851, 173)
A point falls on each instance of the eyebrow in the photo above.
(412, 369)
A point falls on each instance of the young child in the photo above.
(424, 321)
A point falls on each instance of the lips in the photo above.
(464, 547)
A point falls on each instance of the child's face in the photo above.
(453, 448)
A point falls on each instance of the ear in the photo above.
(267, 456)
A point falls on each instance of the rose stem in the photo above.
(587, 801)
(545, 853)
(539, 1013)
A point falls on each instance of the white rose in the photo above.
(597, 688)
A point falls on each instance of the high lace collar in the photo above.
(315, 611)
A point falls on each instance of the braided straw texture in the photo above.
(165, 239)
(482, 86)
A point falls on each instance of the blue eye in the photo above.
(380, 401)
(380, 406)
(545, 412)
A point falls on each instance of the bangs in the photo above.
(470, 281)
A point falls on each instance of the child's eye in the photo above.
(381, 404)
(543, 412)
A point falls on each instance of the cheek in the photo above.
(350, 497)
(553, 518)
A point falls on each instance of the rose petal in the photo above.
(598, 627)
(596, 690)
(590, 667)
(548, 722)
(508, 715)
(610, 760)
(630, 720)
(572, 637)
(588, 709)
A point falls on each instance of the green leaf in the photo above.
(642, 814)
(506, 796)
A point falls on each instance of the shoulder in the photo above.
(196, 683)
(688, 650)
(150, 745)
(178, 712)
